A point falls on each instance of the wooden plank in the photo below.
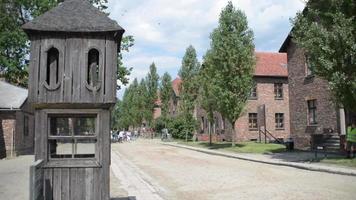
(77, 62)
(72, 164)
(65, 184)
(110, 70)
(38, 138)
(89, 188)
(57, 186)
(84, 93)
(48, 184)
(43, 70)
(34, 68)
(105, 176)
(36, 181)
(97, 184)
(73, 183)
(80, 193)
(44, 132)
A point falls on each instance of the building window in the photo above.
(312, 112)
(72, 136)
(278, 90)
(93, 68)
(308, 71)
(25, 126)
(52, 67)
(253, 94)
(279, 120)
(252, 121)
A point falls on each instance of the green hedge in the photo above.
(178, 126)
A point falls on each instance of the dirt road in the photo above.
(165, 172)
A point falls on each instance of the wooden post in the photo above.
(36, 181)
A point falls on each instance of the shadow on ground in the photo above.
(123, 198)
(305, 156)
(219, 145)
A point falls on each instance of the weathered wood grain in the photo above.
(36, 181)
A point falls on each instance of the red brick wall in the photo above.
(17, 144)
(7, 128)
(304, 88)
(265, 95)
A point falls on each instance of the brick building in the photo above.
(16, 121)
(174, 102)
(311, 106)
(271, 90)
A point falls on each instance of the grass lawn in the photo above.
(242, 147)
(340, 161)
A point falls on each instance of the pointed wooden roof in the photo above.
(73, 16)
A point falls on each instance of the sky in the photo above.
(163, 29)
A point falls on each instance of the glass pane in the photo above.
(61, 148)
(76, 125)
(84, 126)
(84, 148)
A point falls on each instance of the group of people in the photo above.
(123, 136)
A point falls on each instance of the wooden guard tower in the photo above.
(72, 86)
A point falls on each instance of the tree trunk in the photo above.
(209, 131)
(233, 135)
(186, 136)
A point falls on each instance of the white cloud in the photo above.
(163, 29)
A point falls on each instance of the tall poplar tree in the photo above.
(152, 89)
(166, 92)
(189, 87)
(230, 62)
(207, 98)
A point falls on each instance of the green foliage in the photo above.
(139, 101)
(326, 31)
(161, 123)
(14, 44)
(207, 98)
(189, 88)
(182, 127)
(122, 71)
(166, 92)
(230, 62)
(152, 89)
(190, 85)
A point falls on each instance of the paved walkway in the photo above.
(296, 160)
(136, 183)
(14, 178)
(185, 174)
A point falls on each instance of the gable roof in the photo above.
(73, 16)
(271, 64)
(12, 97)
(176, 85)
(283, 48)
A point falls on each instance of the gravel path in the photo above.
(183, 174)
(14, 178)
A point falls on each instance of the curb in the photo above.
(330, 170)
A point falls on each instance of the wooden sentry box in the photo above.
(72, 86)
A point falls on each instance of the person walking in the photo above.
(351, 140)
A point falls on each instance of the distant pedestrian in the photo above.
(121, 136)
(351, 140)
(128, 136)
